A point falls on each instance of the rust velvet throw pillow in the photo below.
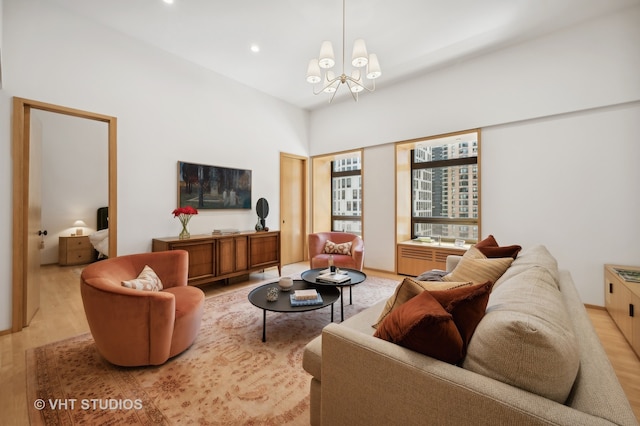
(422, 325)
(438, 323)
(490, 248)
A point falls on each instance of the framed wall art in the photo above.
(213, 187)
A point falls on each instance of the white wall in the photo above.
(75, 176)
(571, 183)
(562, 200)
(167, 109)
(378, 181)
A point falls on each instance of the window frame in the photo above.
(346, 218)
(472, 196)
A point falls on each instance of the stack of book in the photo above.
(225, 231)
(305, 298)
(335, 278)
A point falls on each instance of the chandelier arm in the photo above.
(322, 89)
(333, 95)
(368, 89)
(354, 95)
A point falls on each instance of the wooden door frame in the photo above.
(20, 159)
(305, 200)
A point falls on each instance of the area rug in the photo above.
(227, 377)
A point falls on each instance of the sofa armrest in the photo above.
(366, 380)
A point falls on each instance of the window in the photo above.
(346, 195)
(444, 188)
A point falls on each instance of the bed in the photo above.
(100, 238)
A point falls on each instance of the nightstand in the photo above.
(75, 250)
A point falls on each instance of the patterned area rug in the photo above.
(228, 377)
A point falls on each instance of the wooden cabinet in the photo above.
(219, 257)
(414, 258)
(76, 250)
(232, 254)
(622, 300)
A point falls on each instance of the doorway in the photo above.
(293, 208)
(22, 239)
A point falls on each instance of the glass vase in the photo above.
(184, 234)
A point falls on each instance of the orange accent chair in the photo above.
(138, 327)
(319, 259)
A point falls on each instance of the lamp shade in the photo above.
(359, 57)
(326, 59)
(333, 86)
(373, 67)
(356, 82)
(313, 72)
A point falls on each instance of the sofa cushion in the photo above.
(147, 280)
(334, 248)
(534, 256)
(467, 306)
(476, 267)
(410, 288)
(423, 325)
(490, 248)
(526, 338)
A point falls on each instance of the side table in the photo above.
(356, 278)
(258, 298)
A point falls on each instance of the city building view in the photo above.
(346, 195)
(445, 190)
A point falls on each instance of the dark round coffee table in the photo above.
(258, 298)
(356, 278)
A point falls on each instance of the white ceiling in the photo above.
(409, 36)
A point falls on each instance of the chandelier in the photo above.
(365, 67)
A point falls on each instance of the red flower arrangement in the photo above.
(184, 214)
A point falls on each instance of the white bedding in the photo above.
(100, 241)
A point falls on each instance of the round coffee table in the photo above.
(258, 298)
(356, 278)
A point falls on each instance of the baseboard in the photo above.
(602, 308)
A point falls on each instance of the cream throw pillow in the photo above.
(147, 280)
(410, 288)
(477, 268)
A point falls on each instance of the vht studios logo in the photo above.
(88, 404)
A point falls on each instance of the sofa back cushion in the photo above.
(533, 256)
(526, 338)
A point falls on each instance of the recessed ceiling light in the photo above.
(255, 48)
(168, 1)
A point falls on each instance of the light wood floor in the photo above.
(61, 315)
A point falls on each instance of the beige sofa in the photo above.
(359, 379)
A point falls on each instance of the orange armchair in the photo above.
(137, 327)
(319, 259)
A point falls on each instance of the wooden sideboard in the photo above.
(622, 300)
(219, 257)
(415, 258)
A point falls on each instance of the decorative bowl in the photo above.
(285, 283)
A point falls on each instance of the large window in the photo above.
(444, 188)
(346, 195)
